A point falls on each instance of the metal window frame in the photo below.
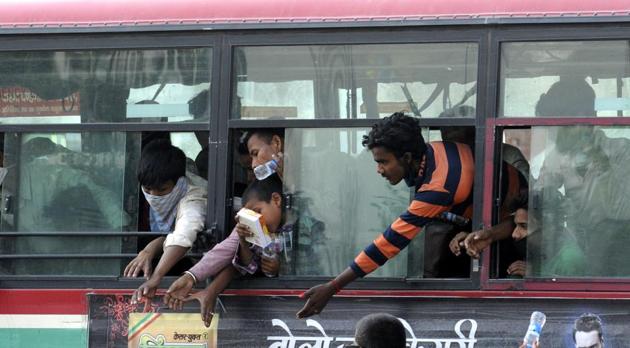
(220, 126)
(478, 36)
(108, 41)
(495, 125)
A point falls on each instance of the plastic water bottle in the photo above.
(263, 171)
(454, 218)
(536, 323)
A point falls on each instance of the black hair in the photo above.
(399, 134)
(266, 134)
(161, 162)
(198, 105)
(570, 96)
(263, 190)
(588, 322)
(520, 202)
(380, 330)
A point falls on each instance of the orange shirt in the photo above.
(445, 185)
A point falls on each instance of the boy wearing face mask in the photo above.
(177, 205)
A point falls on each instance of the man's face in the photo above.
(161, 190)
(588, 339)
(520, 220)
(388, 166)
(261, 151)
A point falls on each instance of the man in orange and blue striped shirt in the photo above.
(442, 174)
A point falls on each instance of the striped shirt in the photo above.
(445, 184)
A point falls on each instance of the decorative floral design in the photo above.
(117, 309)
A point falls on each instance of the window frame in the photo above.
(364, 36)
(495, 124)
(221, 128)
(112, 41)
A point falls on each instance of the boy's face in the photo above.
(161, 190)
(271, 211)
(387, 165)
(261, 150)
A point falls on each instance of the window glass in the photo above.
(579, 205)
(60, 184)
(168, 85)
(334, 186)
(578, 79)
(358, 81)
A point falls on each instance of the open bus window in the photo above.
(105, 86)
(575, 213)
(66, 195)
(332, 181)
(353, 81)
(589, 78)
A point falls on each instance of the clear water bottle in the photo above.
(536, 323)
(263, 171)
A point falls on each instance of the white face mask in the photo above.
(165, 206)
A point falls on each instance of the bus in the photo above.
(543, 86)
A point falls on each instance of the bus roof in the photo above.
(150, 13)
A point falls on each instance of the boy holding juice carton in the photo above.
(257, 234)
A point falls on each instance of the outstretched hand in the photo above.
(178, 292)
(145, 293)
(457, 243)
(141, 263)
(316, 299)
(476, 242)
(207, 299)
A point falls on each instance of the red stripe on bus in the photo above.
(49, 301)
(74, 301)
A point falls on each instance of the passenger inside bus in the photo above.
(53, 179)
(309, 238)
(177, 203)
(235, 254)
(570, 96)
(513, 185)
(265, 144)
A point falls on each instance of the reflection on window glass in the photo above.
(358, 81)
(579, 79)
(343, 202)
(68, 182)
(169, 85)
(579, 202)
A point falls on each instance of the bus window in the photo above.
(353, 81)
(73, 200)
(104, 86)
(67, 183)
(572, 222)
(579, 202)
(333, 184)
(576, 79)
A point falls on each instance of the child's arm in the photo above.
(208, 297)
(213, 262)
